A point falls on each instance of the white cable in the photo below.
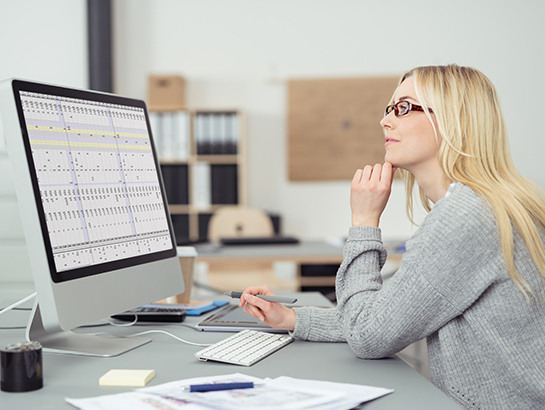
(153, 331)
(170, 334)
(17, 304)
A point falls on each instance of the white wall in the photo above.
(229, 50)
(43, 41)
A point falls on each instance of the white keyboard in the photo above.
(245, 348)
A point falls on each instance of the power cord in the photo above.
(154, 331)
(171, 335)
(159, 331)
(14, 307)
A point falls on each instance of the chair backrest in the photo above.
(239, 221)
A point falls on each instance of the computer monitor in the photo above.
(94, 211)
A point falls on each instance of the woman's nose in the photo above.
(385, 122)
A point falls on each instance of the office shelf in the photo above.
(202, 156)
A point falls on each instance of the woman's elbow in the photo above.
(367, 349)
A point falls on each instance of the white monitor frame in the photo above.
(77, 300)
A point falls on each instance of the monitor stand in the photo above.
(68, 342)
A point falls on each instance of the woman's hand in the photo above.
(370, 191)
(273, 314)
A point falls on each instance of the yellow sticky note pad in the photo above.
(121, 377)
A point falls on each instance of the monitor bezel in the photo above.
(76, 273)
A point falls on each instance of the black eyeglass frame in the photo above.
(410, 107)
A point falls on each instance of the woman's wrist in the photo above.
(365, 221)
(291, 321)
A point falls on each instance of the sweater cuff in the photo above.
(302, 323)
(364, 233)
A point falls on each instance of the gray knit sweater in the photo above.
(486, 343)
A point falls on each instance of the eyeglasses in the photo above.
(402, 108)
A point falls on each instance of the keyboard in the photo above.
(245, 348)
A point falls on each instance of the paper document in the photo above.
(353, 394)
(282, 393)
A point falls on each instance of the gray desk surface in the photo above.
(77, 376)
(303, 250)
(306, 251)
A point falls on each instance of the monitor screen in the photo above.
(94, 211)
(98, 182)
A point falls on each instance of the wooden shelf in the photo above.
(218, 159)
(183, 142)
(178, 209)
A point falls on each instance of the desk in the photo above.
(77, 376)
(302, 252)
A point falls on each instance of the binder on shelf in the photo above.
(180, 131)
(233, 132)
(175, 178)
(181, 184)
(204, 220)
(197, 132)
(216, 143)
(223, 132)
(201, 185)
(224, 184)
(168, 181)
(180, 224)
(171, 133)
(202, 134)
(167, 136)
(217, 133)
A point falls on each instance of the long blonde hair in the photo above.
(474, 150)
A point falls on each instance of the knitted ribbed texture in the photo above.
(486, 343)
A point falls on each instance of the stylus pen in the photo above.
(268, 298)
(218, 386)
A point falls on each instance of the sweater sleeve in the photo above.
(322, 324)
(317, 325)
(440, 276)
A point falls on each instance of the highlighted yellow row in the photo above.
(89, 144)
(83, 131)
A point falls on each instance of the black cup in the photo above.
(21, 366)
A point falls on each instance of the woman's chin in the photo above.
(388, 158)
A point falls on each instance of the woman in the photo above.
(472, 280)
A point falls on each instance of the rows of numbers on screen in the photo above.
(97, 178)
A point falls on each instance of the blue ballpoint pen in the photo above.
(218, 386)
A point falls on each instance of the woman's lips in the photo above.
(390, 141)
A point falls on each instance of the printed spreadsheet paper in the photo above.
(282, 393)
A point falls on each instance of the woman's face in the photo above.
(410, 139)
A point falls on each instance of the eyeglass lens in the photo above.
(400, 108)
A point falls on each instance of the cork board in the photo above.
(333, 126)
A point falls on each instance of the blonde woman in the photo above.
(473, 278)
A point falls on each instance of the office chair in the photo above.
(236, 222)
(239, 221)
